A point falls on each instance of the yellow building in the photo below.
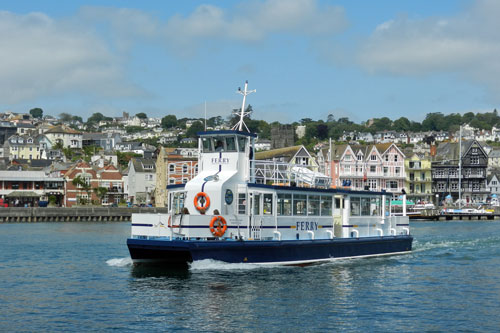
(418, 183)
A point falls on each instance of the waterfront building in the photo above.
(376, 167)
(141, 180)
(493, 183)
(173, 166)
(27, 147)
(108, 177)
(419, 178)
(445, 171)
(28, 188)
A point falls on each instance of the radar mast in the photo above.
(243, 113)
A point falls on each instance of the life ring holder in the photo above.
(220, 228)
(199, 207)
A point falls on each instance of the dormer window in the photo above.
(360, 157)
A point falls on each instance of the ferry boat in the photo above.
(241, 210)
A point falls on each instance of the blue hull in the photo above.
(181, 252)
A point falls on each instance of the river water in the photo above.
(78, 277)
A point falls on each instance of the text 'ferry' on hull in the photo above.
(241, 210)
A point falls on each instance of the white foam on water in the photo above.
(210, 264)
(119, 262)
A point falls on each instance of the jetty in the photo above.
(74, 214)
(438, 215)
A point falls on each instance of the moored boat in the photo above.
(241, 210)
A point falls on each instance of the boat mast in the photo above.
(460, 171)
(242, 114)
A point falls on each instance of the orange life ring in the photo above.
(203, 206)
(218, 226)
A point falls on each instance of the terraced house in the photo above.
(419, 178)
(375, 167)
(445, 172)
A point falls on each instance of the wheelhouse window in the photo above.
(300, 204)
(207, 145)
(284, 204)
(230, 143)
(241, 143)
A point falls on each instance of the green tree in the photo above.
(169, 121)
(65, 117)
(100, 192)
(401, 125)
(77, 118)
(81, 182)
(141, 115)
(195, 127)
(36, 113)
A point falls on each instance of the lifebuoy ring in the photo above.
(205, 203)
(218, 226)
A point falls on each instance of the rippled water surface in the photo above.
(79, 277)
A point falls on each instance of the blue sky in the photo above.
(306, 58)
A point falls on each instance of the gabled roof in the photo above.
(62, 129)
(287, 152)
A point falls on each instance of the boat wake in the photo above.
(209, 264)
(119, 262)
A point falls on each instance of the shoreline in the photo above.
(77, 214)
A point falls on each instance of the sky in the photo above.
(306, 58)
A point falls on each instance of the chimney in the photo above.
(433, 150)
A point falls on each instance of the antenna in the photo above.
(242, 113)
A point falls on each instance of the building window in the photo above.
(360, 157)
(373, 157)
(474, 160)
(373, 168)
(171, 167)
(395, 158)
(184, 168)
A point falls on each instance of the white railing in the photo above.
(281, 173)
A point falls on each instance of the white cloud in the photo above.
(466, 45)
(253, 21)
(44, 57)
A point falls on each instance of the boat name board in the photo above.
(306, 225)
(220, 160)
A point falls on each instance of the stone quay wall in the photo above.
(53, 214)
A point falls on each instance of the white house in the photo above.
(141, 180)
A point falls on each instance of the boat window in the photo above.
(256, 204)
(284, 204)
(242, 203)
(178, 202)
(207, 145)
(299, 204)
(326, 205)
(268, 204)
(365, 206)
(355, 206)
(218, 144)
(230, 143)
(375, 206)
(313, 205)
(241, 143)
